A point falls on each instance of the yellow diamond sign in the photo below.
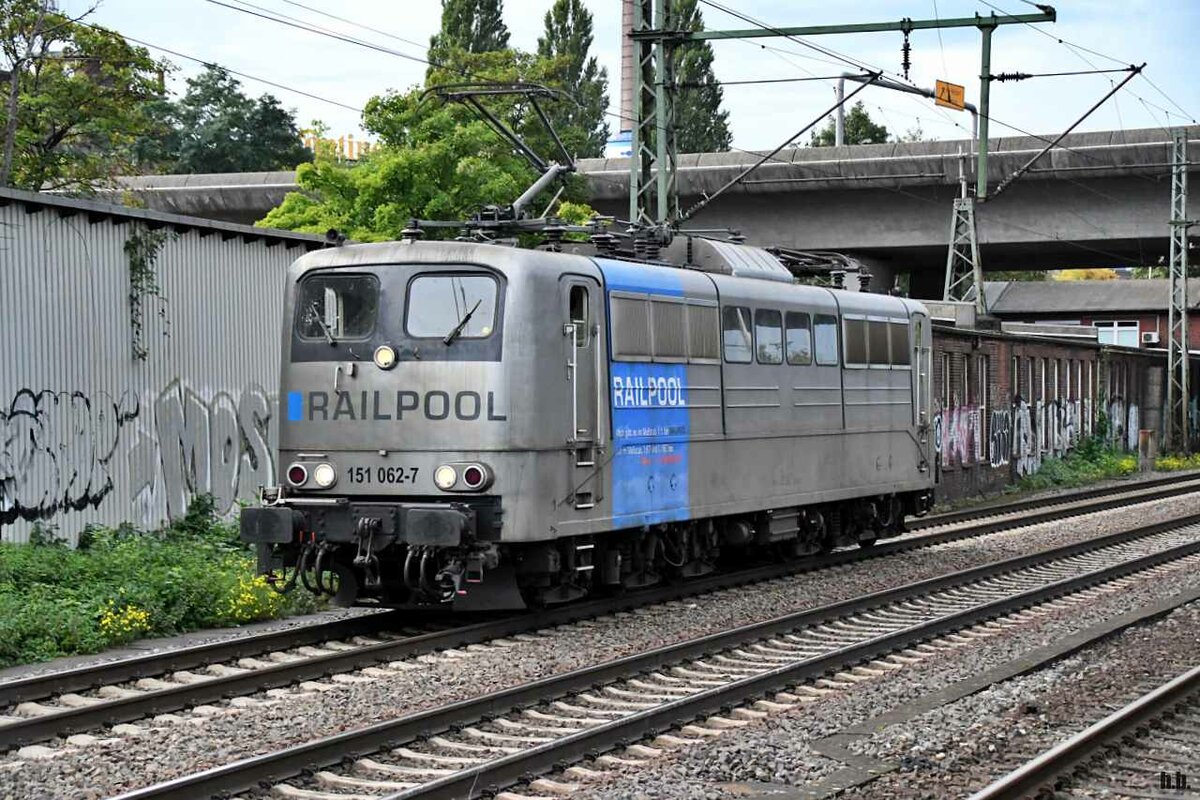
(949, 95)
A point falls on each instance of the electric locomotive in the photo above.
(487, 426)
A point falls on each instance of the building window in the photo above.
(1123, 333)
(945, 380)
(984, 365)
(965, 397)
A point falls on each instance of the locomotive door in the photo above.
(580, 304)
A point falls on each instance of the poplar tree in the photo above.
(579, 119)
(474, 26)
(701, 126)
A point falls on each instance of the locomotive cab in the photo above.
(404, 453)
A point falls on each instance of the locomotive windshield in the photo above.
(336, 307)
(439, 304)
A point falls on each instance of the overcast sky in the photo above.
(1162, 33)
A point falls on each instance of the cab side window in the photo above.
(579, 315)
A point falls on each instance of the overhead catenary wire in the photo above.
(1025, 168)
(1078, 47)
(247, 76)
(850, 60)
(704, 201)
(941, 46)
(355, 40)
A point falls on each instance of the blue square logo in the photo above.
(295, 405)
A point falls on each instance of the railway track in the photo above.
(491, 742)
(58, 704)
(1150, 744)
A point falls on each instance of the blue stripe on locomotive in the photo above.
(651, 429)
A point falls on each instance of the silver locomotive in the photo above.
(490, 426)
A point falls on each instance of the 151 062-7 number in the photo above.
(382, 474)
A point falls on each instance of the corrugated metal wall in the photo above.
(91, 434)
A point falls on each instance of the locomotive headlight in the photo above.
(445, 477)
(324, 475)
(385, 357)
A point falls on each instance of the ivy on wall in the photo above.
(142, 249)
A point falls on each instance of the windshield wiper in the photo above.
(316, 316)
(462, 323)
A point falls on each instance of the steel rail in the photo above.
(36, 687)
(159, 701)
(290, 761)
(1064, 757)
(966, 514)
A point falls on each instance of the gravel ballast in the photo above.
(953, 749)
(167, 749)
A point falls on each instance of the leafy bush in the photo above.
(1175, 462)
(1092, 460)
(122, 584)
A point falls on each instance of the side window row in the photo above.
(878, 343)
(769, 337)
(663, 329)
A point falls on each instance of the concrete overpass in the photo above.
(1100, 199)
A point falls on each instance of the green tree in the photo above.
(77, 99)
(473, 26)
(701, 126)
(566, 42)
(860, 129)
(434, 160)
(215, 127)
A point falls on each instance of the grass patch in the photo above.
(1092, 460)
(1174, 463)
(123, 584)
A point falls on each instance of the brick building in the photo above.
(1004, 402)
(1130, 313)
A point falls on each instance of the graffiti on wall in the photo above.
(961, 437)
(62, 451)
(1023, 434)
(1124, 420)
(223, 447)
(1026, 454)
(56, 451)
(1000, 438)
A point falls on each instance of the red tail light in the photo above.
(473, 477)
(297, 475)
